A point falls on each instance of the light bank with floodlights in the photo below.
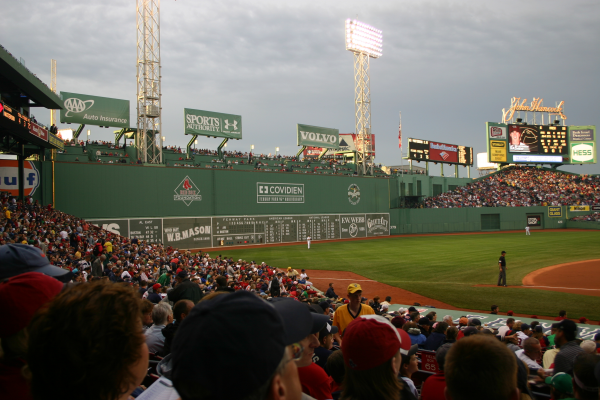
(365, 42)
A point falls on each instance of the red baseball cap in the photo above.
(369, 341)
(21, 296)
(156, 286)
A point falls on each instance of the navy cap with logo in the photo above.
(16, 259)
(257, 330)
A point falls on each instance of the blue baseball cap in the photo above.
(16, 259)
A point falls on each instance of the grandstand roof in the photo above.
(19, 80)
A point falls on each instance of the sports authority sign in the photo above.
(94, 110)
(317, 136)
(208, 123)
(267, 192)
(9, 177)
(187, 191)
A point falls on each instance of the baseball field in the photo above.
(449, 268)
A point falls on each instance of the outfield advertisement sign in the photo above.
(316, 136)
(267, 192)
(204, 232)
(94, 110)
(555, 211)
(209, 123)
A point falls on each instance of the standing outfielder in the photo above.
(527, 230)
(308, 239)
(502, 268)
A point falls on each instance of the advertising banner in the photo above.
(579, 208)
(267, 192)
(38, 131)
(187, 233)
(209, 123)
(443, 152)
(534, 220)
(353, 226)
(116, 226)
(316, 136)
(9, 172)
(378, 225)
(583, 153)
(555, 211)
(94, 110)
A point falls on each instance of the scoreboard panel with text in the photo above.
(426, 150)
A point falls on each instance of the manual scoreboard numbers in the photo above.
(418, 149)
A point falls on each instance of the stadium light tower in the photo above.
(365, 42)
(148, 139)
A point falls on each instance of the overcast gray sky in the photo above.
(449, 66)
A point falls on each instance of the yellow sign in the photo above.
(579, 208)
(497, 151)
(536, 106)
(554, 211)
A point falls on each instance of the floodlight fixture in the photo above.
(363, 38)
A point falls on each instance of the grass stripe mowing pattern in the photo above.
(447, 267)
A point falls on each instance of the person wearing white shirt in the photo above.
(523, 334)
(308, 239)
(503, 329)
(532, 351)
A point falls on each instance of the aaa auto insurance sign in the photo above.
(317, 136)
(9, 177)
(94, 110)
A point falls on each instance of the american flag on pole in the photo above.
(400, 132)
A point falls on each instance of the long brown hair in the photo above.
(375, 383)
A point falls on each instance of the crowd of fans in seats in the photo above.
(594, 217)
(190, 323)
(522, 187)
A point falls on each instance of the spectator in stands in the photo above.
(565, 339)
(434, 386)
(524, 333)
(408, 366)
(181, 310)
(424, 325)
(162, 314)
(222, 285)
(314, 380)
(480, 364)
(538, 333)
(154, 296)
(323, 352)
(562, 314)
(416, 337)
(20, 297)
(348, 312)
(437, 337)
(585, 384)
(16, 259)
(146, 307)
(143, 287)
(588, 346)
(495, 310)
(451, 334)
(561, 386)
(98, 267)
(330, 293)
(110, 357)
(529, 354)
(185, 289)
(337, 369)
(372, 350)
(387, 301)
(259, 365)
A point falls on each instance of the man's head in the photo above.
(440, 355)
(221, 281)
(336, 366)
(106, 319)
(561, 385)
(388, 298)
(262, 364)
(585, 384)
(532, 348)
(480, 364)
(162, 314)
(354, 293)
(526, 329)
(181, 309)
(562, 313)
(566, 331)
(495, 308)
(510, 322)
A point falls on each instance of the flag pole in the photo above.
(400, 141)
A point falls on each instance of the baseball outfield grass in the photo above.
(447, 267)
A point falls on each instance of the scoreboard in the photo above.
(426, 150)
(204, 232)
(540, 144)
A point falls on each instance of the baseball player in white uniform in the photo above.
(527, 231)
(308, 239)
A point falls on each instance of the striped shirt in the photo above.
(566, 357)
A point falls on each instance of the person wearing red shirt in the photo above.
(562, 314)
(433, 388)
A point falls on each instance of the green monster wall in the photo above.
(113, 191)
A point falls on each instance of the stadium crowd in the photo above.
(594, 217)
(517, 186)
(92, 315)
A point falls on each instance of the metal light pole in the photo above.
(365, 42)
